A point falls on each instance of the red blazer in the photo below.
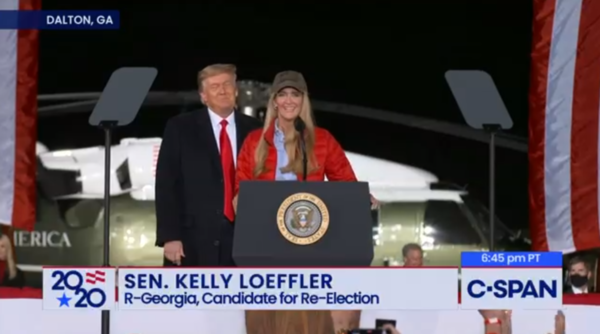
(330, 158)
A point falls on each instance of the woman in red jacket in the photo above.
(273, 153)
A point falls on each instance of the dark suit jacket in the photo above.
(189, 188)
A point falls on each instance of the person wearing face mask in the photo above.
(579, 279)
(274, 153)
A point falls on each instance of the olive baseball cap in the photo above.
(287, 79)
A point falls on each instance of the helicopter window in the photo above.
(447, 225)
(80, 213)
(481, 215)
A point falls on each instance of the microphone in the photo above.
(300, 126)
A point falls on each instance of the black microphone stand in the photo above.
(492, 130)
(107, 127)
(304, 159)
(300, 126)
(121, 99)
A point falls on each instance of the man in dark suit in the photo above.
(579, 279)
(195, 174)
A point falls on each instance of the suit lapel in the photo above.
(208, 141)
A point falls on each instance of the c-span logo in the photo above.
(303, 219)
(514, 288)
(79, 288)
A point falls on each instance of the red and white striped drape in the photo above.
(563, 125)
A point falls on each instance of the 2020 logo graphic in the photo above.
(73, 283)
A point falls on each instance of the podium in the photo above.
(301, 224)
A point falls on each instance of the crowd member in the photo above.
(413, 255)
(558, 328)
(344, 321)
(559, 323)
(579, 277)
(497, 321)
(390, 329)
(10, 275)
(500, 322)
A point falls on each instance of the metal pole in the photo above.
(107, 127)
(492, 187)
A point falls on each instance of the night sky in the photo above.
(391, 56)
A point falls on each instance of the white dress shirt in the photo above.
(215, 120)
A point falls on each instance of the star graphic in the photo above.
(64, 300)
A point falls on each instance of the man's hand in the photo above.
(235, 204)
(390, 329)
(559, 323)
(374, 203)
(174, 251)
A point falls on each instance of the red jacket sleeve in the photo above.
(245, 163)
(337, 166)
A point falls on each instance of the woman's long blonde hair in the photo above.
(292, 140)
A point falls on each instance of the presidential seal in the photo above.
(303, 219)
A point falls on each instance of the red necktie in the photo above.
(228, 170)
